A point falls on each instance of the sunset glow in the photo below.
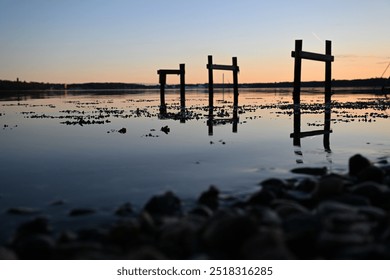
(127, 41)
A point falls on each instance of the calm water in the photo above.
(67, 146)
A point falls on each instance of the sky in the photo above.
(76, 41)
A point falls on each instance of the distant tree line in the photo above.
(19, 85)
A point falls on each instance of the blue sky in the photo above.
(128, 41)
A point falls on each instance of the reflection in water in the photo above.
(298, 134)
(211, 122)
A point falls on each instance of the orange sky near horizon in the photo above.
(128, 41)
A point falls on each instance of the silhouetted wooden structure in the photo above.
(235, 69)
(298, 54)
(163, 80)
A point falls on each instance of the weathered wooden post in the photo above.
(163, 73)
(211, 84)
(328, 95)
(182, 87)
(235, 83)
(298, 54)
(163, 106)
(297, 72)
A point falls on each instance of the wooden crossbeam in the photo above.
(313, 56)
(223, 67)
(169, 72)
(310, 133)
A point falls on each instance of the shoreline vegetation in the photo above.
(316, 214)
(5, 85)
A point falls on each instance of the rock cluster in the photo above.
(321, 216)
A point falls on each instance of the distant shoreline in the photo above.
(5, 85)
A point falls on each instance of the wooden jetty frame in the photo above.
(235, 69)
(298, 54)
(163, 79)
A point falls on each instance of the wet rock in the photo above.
(301, 233)
(127, 234)
(22, 211)
(225, 234)
(209, 198)
(261, 197)
(35, 246)
(275, 186)
(365, 252)
(329, 186)
(167, 204)
(6, 254)
(357, 163)
(123, 130)
(264, 216)
(286, 208)
(371, 173)
(202, 211)
(124, 210)
(39, 225)
(179, 240)
(81, 212)
(315, 171)
(378, 194)
(146, 253)
(267, 244)
(165, 129)
(352, 199)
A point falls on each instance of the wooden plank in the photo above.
(310, 133)
(313, 56)
(169, 71)
(223, 67)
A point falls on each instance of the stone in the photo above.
(124, 210)
(6, 254)
(315, 171)
(165, 129)
(226, 232)
(34, 247)
(329, 186)
(357, 163)
(123, 130)
(275, 186)
(209, 198)
(371, 173)
(167, 204)
(261, 197)
(81, 212)
(22, 211)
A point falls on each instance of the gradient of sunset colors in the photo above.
(76, 41)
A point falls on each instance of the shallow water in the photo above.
(67, 146)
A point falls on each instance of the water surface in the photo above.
(67, 145)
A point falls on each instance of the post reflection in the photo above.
(212, 121)
(297, 135)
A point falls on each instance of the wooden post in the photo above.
(211, 86)
(163, 107)
(297, 93)
(297, 73)
(235, 83)
(235, 121)
(182, 87)
(297, 126)
(328, 73)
